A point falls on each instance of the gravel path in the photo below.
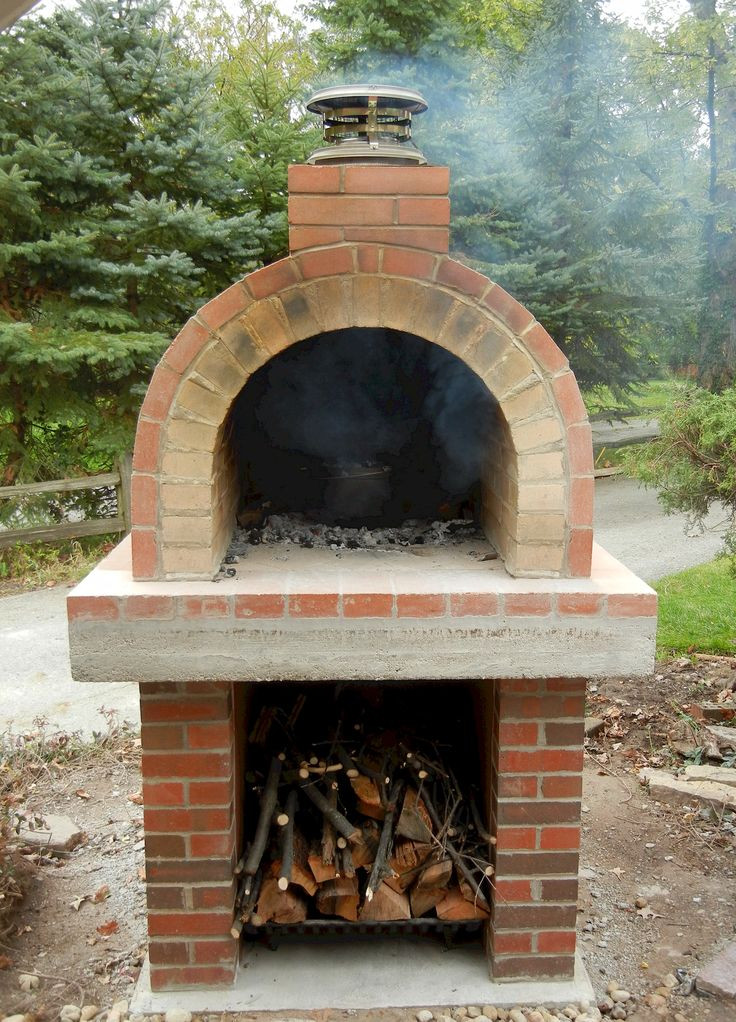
(629, 524)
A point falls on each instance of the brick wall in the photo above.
(189, 769)
(538, 756)
(529, 735)
(183, 507)
(406, 206)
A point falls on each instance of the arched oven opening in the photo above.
(361, 429)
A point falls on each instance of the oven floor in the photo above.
(387, 973)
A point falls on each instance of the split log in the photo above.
(386, 904)
(279, 906)
(268, 805)
(405, 861)
(339, 898)
(321, 872)
(368, 795)
(364, 854)
(336, 818)
(414, 821)
(454, 906)
(430, 887)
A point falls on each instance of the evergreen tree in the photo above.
(116, 201)
(697, 61)
(555, 190)
(263, 69)
(565, 203)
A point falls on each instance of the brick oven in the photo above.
(518, 620)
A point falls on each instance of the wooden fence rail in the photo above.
(120, 479)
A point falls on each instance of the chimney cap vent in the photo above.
(367, 122)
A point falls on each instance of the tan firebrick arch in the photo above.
(537, 483)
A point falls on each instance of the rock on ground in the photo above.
(59, 833)
(719, 975)
(681, 790)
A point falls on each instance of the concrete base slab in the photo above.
(398, 972)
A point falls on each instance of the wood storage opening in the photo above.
(366, 809)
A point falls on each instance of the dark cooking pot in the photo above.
(357, 493)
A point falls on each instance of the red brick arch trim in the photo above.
(538, 481)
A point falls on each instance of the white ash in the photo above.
(301, 531)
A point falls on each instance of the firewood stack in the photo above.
(368, 824)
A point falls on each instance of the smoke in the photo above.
(363, 397)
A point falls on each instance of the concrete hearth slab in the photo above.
(361, 974)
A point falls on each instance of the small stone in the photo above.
(14, 1018)
(178, 1015)
(620, 996)
(641, 902)
(671, 981)
(70, 1013)
(490, 1012)
(113, 1016)
(88, 1012)
(473, 1011)
(678, 1017)
(619, 1012)
(27, 982)
(611, 987)
(535, 1016)
(425, 1015)
(663, 992)
(121, 1007)
(655, 1000)
(570, 1011)
(605, 1005)
(517, 1015)
(482, 1018)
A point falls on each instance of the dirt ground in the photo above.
(680, 864)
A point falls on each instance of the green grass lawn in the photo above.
(646, 398)
(697, 610)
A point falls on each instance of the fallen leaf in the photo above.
(78, 902)
(137, 797)
(101, 894)
(81, 793)
(648, 913)
(107, 929)
(618, 871)
(5, 962)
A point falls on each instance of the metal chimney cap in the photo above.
(367, 122)
(326, 100)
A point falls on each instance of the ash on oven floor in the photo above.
(297, 529)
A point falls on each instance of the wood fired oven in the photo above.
(511, 620)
